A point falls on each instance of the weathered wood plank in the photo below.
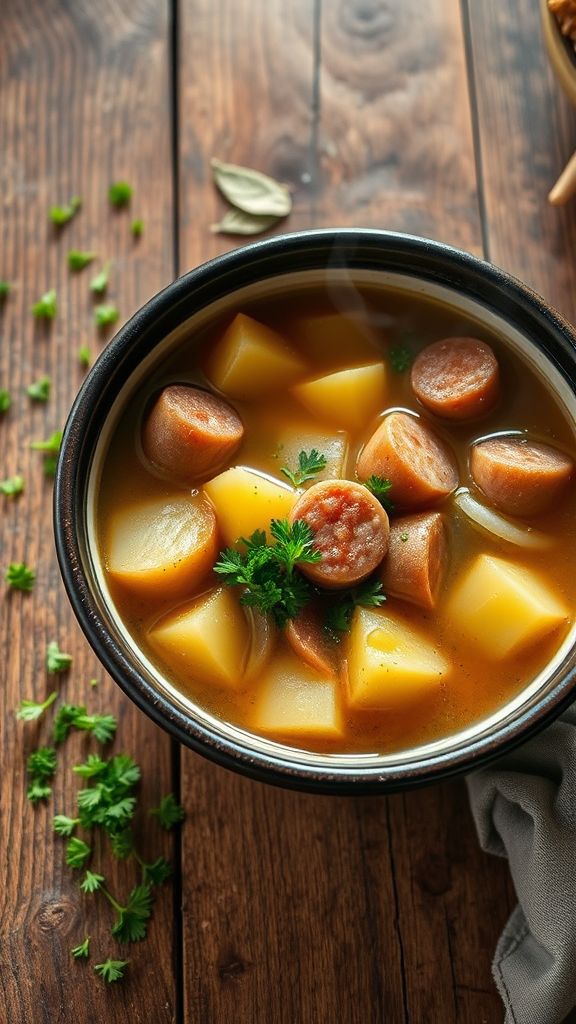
(84, 100)
(300, 907)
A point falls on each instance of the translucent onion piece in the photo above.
(499, 526)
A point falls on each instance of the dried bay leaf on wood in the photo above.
(237, 222)
(251, 191)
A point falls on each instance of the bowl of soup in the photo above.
(315, 510)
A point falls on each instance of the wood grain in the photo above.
(84, 100)
(301, 908)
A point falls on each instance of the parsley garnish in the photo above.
(380, 488)
(60, 215)
(137, 227)
(74, 716)
(400, 358)
(30, 710)
(83, 950)
(91, 882)
(41, 766)
(156, 873)
(84, 357)
(5, 289)
(57, 660)
(99, 282)
(5, 400)
(51, 448)
(39, 391)
(77, 852)
(105, 315)
(169, 812)
(46, 307)
(120, 193)
(19, 576)
(111, 970)
(309, 465)
(267, 571)
(339, 617)
(64, 825)
(12, 486)
(77, 259)
(131, 924)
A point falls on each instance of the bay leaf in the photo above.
(251, 191)
(236, 222)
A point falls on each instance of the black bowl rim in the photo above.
(339, 247)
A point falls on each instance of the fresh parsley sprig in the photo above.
(83, 950)
(47, 306)
(75, 716)
(339, 617)
(60, 215)
(169, 812)
(57, 660)
(400, 357)
(19, 576)
(12, 486)
(31, 710)
(78, 259)
(380, 488)
(268, 573)
(41, 767)
(39, 390)
(309, 465)
(111, 970)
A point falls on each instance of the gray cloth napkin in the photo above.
(525, 809)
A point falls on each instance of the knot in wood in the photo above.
(55, 914)
(367, 18)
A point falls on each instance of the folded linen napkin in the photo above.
(525, 809)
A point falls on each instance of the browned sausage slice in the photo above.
(519, 476)
(406, 451)
(457, 378)
(309, 640)
(190, 434)
(416, 559)
(350, 530)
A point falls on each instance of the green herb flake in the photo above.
(339, 618)
(105, 315)
(5, 289)
(40, 767)
(31, 710)
(99, 282)
(77, 259)
(169, 812)
(156, 873)
(404, 536)
(12, 486)
(94, 682)
(309, 465)
(120, 193)
(51, 446)
(400, 358)
(39, 391)
(77, 852)
(63, 825)
(5, 400)
(131, 924)
(111, 970)
(46, 307)
(137, 228)
(380, 488)
(56, 660)
(91, 882)
(83, 950)
(60, 215)
(19, 576)
(75, 716)
(84, 357)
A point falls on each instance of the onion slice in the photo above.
(491, 522)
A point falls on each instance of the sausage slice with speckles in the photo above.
(190, 434)
(350, 530)
(519, 476)
(457, 378)
(419, 464)
(416, 559)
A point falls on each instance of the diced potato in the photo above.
(295, 701)
(502, 607)
(349, 398)
(251, 360)
(163, 547)
(206, 641)
(246, 501)
(389, 663)
(335, 341)
(333, 446)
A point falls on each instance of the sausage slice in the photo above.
(416, 559)
(190, 434)
(519, 476)
(420, 466)
(350, 530)
(308, 639)
(457, 378)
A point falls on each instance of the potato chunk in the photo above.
(251, 359)
(246, 501)
(164, 547)
(295, 701)
(389, 663)
(335, 341)
(332, 445)
(347, 399)
(206, 641)
(502, 607)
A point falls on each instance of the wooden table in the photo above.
(441, 119)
